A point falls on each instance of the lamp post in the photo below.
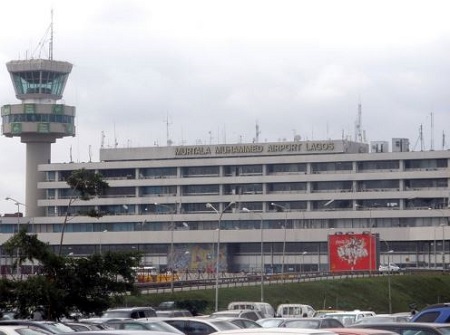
(17, 203)
(101, 241)
(220, 213)
(443, 246)
(284, 209)
(302, 270)
(262, 250)
(172, 228)
(389, 281)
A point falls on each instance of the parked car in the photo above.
(123, 332)
(250, 314)
(391, 267)
(153, 325)
(295, 310)
(173, 313)
(276, 331)
(361, 331)
(310, 323)
(21, 330)
(408, 328)
(49, 326)
(200, 326)
(241, 322)
(350, 317)
(132, 313)
(439, 313)
(384, 318)
(265, 308)
(82, 326)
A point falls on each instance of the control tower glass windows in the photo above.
(41, 82)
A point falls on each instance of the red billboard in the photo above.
(353, 252)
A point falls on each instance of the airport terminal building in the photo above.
(281, 200)
(177, 205)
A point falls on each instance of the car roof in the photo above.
(361, 331)
(268, 331)
(123, 332)
(412, 325)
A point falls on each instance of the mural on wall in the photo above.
(353, 252)
(201, 258)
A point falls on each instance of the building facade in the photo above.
(278, 202)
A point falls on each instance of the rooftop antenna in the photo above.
(102, 139)
(42, 42)
(168, 123)
(115, 137)
(50, 45)
(358, 125)
(443, 140)
(420, 139)
(432, 131)
(256, 140)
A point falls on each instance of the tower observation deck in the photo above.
(39, 120)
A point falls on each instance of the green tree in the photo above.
(88, 285)
(85, 185)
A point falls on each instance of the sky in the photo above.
(150, 72)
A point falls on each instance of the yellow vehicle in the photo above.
(149, 274)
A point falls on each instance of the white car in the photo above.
(391, 267)
(276, 331)
(21, 330)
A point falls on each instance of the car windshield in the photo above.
(270, 323)
(116, 314)
(313, 324)
(225, 325)
(444, 330)
(58, 328)
(31, 331)
(346, 319)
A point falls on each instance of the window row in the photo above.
(258, 188)
(258, 170)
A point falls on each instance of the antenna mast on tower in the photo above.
(50, 45)
(358, 125)
(257, 133)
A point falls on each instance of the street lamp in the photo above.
(302, 270)
(172, 228)
(17, 203)
(262, 250)
(389, 281)
(285, 210)
(101, 242)
(443, 246)
(220, 213)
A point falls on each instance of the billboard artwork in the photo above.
(352, 252)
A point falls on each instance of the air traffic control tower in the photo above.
(39, 120)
